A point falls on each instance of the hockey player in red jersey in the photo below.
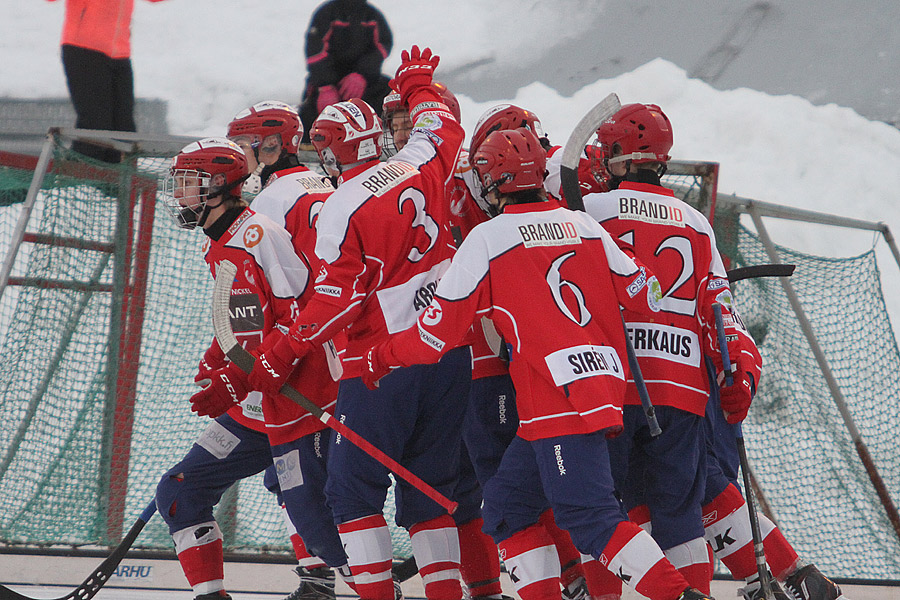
(666, 475)
(552, 281)
(269, 132)
(383, 245)
(291, 195)
(678, 244)
(491, 419)
(203, 189)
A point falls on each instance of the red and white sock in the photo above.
(304, 558)
(367, 542)
(532, 563)
(636, 559)
(727, 523)
(602, 584)
(692, 561)
(479, 561)
(435, 544)
(199, 550)
(569, 557)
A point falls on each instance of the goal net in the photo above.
(106, 313)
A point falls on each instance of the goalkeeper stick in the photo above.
(583, 131)
(90, 586)
(758, 549)
(244, 361)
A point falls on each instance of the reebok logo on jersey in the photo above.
(549, 234)
(638, 209)
(557, 452)
(387, 176)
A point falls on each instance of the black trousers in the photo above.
(102, 92)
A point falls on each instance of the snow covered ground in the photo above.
(210, 58)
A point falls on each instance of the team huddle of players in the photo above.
(449, 308)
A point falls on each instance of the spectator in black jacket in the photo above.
(346, 44)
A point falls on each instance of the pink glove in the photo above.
(352, 86)
(416, 70)
(328, 95)
(227, 388)
(274, 364)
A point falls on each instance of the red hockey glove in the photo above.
(328, 95)
(377, 365)
(212, 359)
(275, 361)
(227, 387)
(352, 86)
(416, 70)
(735, 399)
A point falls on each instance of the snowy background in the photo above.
(208, 59)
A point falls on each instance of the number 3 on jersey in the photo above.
(420, 219)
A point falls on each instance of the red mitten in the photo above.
(227, 387)
(378, 364)
(328, 95)
(416, 70)
(275, 361)
(352, 86)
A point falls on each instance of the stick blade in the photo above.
(225, 273)
(575, 146)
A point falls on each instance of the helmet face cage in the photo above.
(391, 107)
(501, 117)
(185, 193)
(642, 133)
(266, 119)
(510, 161)
(350, 130)
(210, 167)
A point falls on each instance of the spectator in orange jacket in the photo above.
(96, 56)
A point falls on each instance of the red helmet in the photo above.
(511, 161)
(268, 118)
(207, 168)
(346, 133)
(504, 116)
(449, 99)
(642, 131)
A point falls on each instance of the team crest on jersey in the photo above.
(323, 273)
(639, 209)
(429, 121)
(432, 314)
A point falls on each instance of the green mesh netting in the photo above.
(79, 460)
(65, 478)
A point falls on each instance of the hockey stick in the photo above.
(758, 549)
(583, 131)
(90, 586)
(244, 361)
(774, 270)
